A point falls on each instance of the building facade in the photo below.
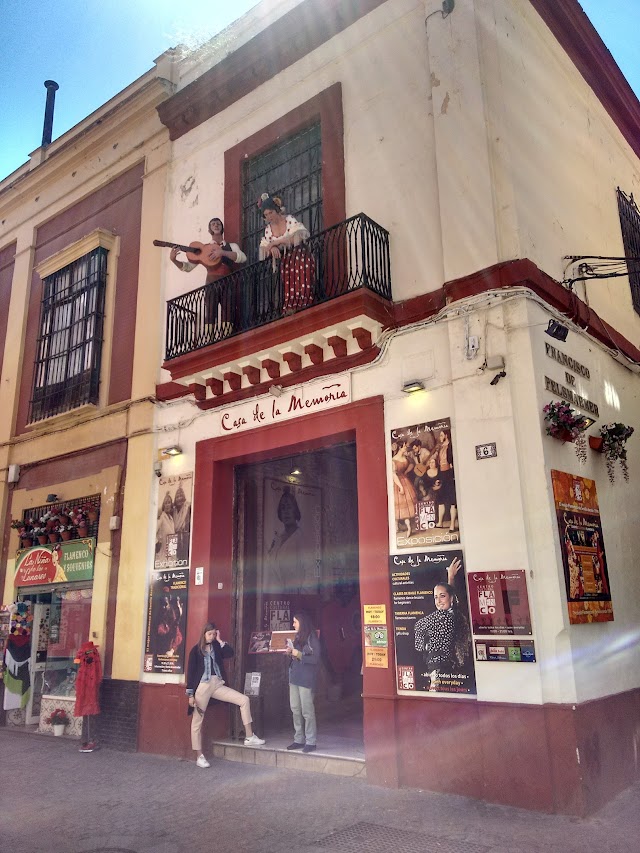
(460, 172)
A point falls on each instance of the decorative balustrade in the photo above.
(353, 254)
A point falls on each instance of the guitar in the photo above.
(196, 252)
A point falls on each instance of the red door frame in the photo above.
(212, 546)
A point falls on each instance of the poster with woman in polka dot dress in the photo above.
(431, 621)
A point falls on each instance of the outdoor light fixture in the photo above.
(275, 390)
(414, 385)
(174, 450)
(295, 473)
(556, 330)
(51, 499)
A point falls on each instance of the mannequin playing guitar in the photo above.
(219, 259)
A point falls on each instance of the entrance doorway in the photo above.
(296, 548)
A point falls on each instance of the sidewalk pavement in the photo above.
(54, 799)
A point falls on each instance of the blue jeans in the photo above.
(304, 714)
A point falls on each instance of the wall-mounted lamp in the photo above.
(295, 473)
(412, 386)
(556, 330)
(51, 499)
(276, 390)
(174, 450)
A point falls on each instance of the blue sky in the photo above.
(95, 48)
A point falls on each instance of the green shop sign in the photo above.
(60, 563)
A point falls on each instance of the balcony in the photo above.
(327, 299)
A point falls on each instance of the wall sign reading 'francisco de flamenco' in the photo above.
(424, 485)
(583, 557)
(431, 623)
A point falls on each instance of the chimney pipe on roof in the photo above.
(52, 87)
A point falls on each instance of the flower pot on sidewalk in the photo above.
(58, 729)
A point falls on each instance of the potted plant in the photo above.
(566, 424)
(58, 720)
(24, 532)
(64, 514)
(613, 443)
(91, 512)
(65, 531)
(79, 521)
(40, 533)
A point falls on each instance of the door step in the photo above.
(322, 761)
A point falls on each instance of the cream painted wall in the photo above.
(604, 654)
(75, 168)
(556, 154)
(506, 509)
(390, 167)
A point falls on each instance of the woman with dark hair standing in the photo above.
(205, 680)
(303, 672)
(283, 239)
(444, 636)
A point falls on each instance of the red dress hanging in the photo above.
(88, 681)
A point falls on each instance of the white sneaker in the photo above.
(202, 761)
(254, 740)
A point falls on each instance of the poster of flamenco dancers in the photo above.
(583, 556)
(424, 485)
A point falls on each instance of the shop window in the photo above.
(292, 170)
(630, 225)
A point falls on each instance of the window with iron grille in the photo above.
(630, 225)
(292, 170)
(68, 353)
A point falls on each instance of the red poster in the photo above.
(583, 557)
(499, 602)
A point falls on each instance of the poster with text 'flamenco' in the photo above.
(424, 485)
(431, 623)
(585, 564)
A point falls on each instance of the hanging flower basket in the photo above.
(614, 446)
(564, 423)
(596, 443)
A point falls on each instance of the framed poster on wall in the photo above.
(583, 557)
(434, 653)
(424, 486)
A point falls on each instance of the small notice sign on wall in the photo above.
(486, 451)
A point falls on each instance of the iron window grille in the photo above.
(630, 226)
(69, 348)
(292, 170)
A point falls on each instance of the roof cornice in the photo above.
(580, 40)
(290, 38)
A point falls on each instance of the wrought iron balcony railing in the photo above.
(353, 254)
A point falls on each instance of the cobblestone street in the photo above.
(55, 800)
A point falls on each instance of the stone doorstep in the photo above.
(317, 762)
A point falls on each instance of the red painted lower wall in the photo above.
(554, 758)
